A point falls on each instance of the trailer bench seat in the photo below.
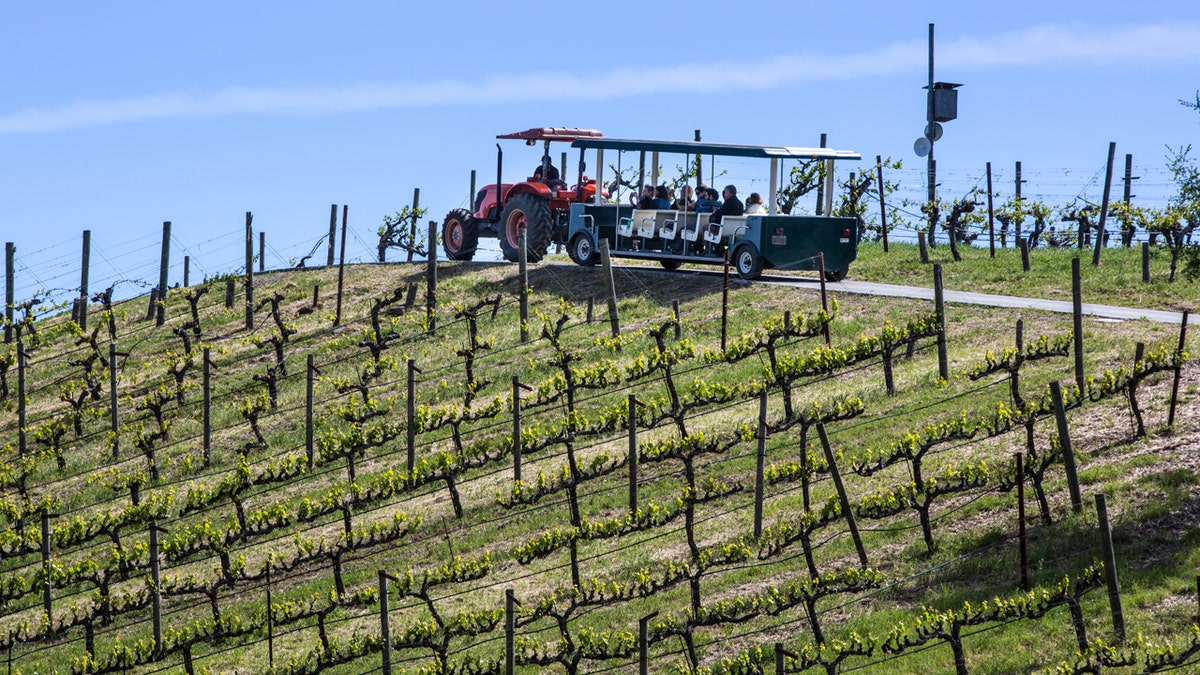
(716, 232)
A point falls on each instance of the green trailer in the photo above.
(675, 237)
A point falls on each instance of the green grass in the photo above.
(975, 555)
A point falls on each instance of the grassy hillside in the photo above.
(928, 472)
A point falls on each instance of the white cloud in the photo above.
(1053, 46)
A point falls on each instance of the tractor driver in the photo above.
(551, 180)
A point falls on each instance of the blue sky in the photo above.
(117, 116)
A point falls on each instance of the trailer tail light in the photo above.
(846, 232)
(845, 236)
(779, 231)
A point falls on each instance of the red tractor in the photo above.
(540, 204)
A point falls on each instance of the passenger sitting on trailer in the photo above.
(662, 197)
(685, 201)
(754, 205)
(707, 200)
(646, 200)
(731, 207)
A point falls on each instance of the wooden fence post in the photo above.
(270, 622)
(1064, 439)
(824, 295)
(678, 324)
(230, 289)
(1024, 244)
(613, 321)
(187, 271)
(725, 300)
(262, 251)
(1110, 569)
(164, 261)
(1145, 262)
(847, 509)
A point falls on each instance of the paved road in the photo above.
(967, 298)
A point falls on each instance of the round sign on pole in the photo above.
(933, 131)
(922, 146)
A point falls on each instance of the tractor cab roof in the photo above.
(566, 134)
(720, 149)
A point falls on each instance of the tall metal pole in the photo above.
(10, 250)
(932, 172)
(249, 271)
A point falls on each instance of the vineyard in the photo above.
(419, 481)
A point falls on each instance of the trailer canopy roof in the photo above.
(720, 149)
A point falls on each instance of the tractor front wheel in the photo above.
(533, 214)
(460, 235)
(583, 250)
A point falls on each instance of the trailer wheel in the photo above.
(534, 214)
(669, 264)
(460, 235)
(583, 250)
(835, 275)
(747, 262)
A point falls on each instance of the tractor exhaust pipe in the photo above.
(499, 183)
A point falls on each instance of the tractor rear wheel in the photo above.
(583, 250)
(534, 214)
(460, 235)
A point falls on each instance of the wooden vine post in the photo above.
(207, 404)
(332, 243)
(510, 625)
(1064, 439)
(761, 463)
(611, 286)
(644, 643)
(310, 374)
(163, 263)
(1077, 310)
(1110, 568)
(10, 250)
(1178, 368)
(633, 455)
(385, 630)
(847, 509)
(84, 265)
(882, 207)
(22, 440)
(337, 318)
(411, 405)
(431, 279)
(523, 278)
(1023, 542)
(113, 415)
(939, 304)
(250, 273)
